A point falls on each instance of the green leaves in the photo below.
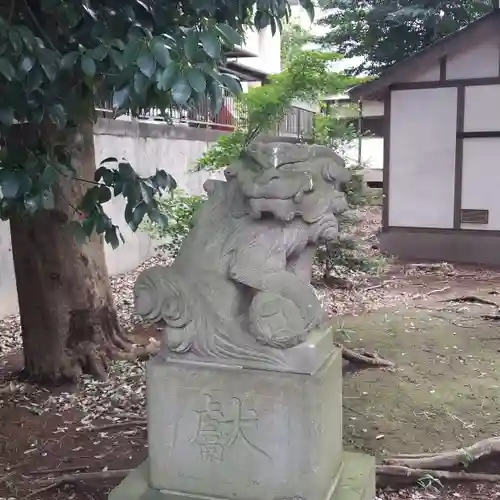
(230, 35)
(191, 45)
(197, 80)
(141, 83)
(181, 91)
(308, 6)
(211, 44)
(140, 194)
(120, 97)
(139, 54)
(49, 62)
(6, 69)
(262, 20)
(88, 66)
(26, 64)
(147, 64)
(306, 77)
(174, 219)
(58, 116)
(231, 83)
(10, 182)
(381, 34)
(69, 60)
(167, 77)
(161, 53)
(6, 116)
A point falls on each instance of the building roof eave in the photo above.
(376, 89)
(245, 73)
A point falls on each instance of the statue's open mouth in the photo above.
(284, 210)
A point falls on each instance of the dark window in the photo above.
(372, 126)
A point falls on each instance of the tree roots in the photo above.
(448, 459)
(363, 357)
(437, 465)
(386, 472)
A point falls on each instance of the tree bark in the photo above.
(68, 319)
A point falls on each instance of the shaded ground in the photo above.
(442, 393)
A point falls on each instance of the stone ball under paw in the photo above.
(275, 320)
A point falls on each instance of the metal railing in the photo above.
(298, 122)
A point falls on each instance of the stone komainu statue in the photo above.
(239, 290)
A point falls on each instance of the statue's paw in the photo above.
(276, 321)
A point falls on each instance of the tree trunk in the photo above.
(68, 320)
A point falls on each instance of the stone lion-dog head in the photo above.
(286, 181)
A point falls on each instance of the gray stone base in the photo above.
(357, 482)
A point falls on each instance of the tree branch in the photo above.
(12, 10)
(39, 27)
(73, 478)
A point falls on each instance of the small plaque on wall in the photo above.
(473, 216)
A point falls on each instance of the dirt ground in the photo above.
(442, 393)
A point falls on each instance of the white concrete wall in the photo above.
(479, 61)
(267, 49)
(147, 146)
(422, 157)
(481, 180)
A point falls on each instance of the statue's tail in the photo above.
(160, 298)
(188, 309)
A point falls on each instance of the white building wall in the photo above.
(481, 157)
(481, 180)
(422, 157)
(267, 49)
(373, 108)
(482, 108)
(479, 61)
(431, 74)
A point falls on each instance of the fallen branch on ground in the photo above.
(59, 471)
(118, 425)
(448, 459)
(443, 266)
(74, 478)
(438, 290)
(432, 292)
(472, 299)
(374, 287)
(363, 357)
(415, 474)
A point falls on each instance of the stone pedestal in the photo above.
(229, 432)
